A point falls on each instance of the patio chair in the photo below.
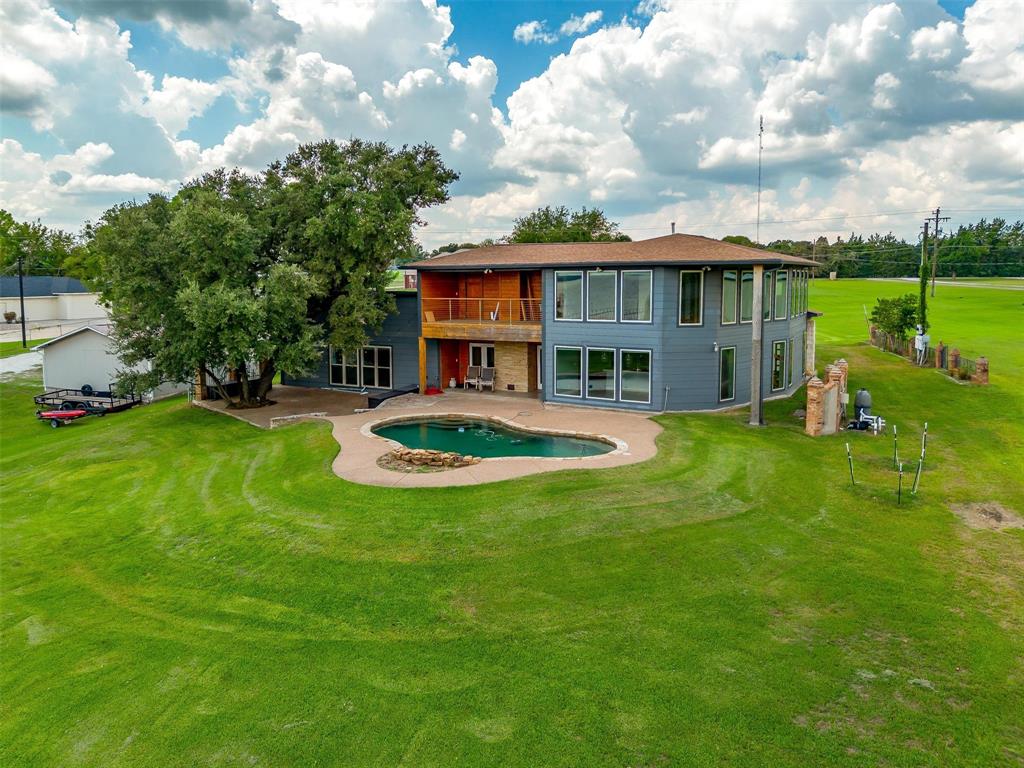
(496, 313)
(486, 378)
(472, 377)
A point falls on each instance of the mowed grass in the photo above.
(181, 589)
(11, 348)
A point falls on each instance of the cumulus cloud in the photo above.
(533, 32)
(577, 25)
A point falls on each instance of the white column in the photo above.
(757, 329)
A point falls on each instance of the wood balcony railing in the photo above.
(482, 311)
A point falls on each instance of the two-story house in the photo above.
(672, 323)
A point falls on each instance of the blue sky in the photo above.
(651, 116)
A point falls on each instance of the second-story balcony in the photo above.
(499, 319)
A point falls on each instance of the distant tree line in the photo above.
(987, 248)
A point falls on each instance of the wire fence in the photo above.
(942, 357)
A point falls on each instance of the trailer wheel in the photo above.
(101, 414)
(54, 423)
(67, 406)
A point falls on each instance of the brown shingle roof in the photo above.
(669, 249)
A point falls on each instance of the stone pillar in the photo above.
(938, 356)
(980, 371)
(954, 358)
(815, 418)
(199, 386)
(809, 347)
(756, 358)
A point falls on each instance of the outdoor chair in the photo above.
(429, 316)
(486, 378)
(496, 313)
(472, 377)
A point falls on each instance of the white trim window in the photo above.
(746, 296)
(691, 297)
(726, 374)
(601, 373)
(789, 364)
(729, 293)
(637, 294)
(568, 366)
(781, 294)
(369, 367)
(767, 292)
(635, 375)
(778, 365)
(569, 296)
(482, 354)
(602, 296)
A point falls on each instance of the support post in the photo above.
(756, 358)
(21, 296)
(423, 365)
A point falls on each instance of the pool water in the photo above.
(487, 439)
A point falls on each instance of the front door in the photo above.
(482, 355)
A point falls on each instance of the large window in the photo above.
(746, 296)
(789, 364)
(781, 308)
(636, 296)
(635, 376)
(568, 295)
(728, 296)
(726, 373)
(767, 291)
(601, 296)
(778, 365)
(691, 297)
(366, 367)
(601, 373)
(569, 371)
(795, 290)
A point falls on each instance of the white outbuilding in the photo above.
(87, 356)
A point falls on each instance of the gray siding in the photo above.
(685, 362)
(400, 331)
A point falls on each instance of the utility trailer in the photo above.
(95, 402)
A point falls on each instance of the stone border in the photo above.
(620, 447)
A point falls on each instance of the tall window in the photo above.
(568, 371)
(601, 373)
(778, 365)
(746, 296)
(635, 376)
(781, 307)
(568, 295)
(366, 367)
(767, 291)
(636, 296)
(796, 289)
(601, 296)
(728, 296)
(727, 373)
(691, 297)
(789, 364)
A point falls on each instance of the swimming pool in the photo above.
(487, 439)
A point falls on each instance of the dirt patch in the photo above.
(987, 515)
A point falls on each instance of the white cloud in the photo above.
(577, 25)
(533, 32)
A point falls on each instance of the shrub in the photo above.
(895, 316)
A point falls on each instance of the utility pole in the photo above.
(922, 273)
(21, 296)
(935, 247)
(760, 149)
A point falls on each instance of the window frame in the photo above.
(744, 272)
(700, 308)
(650, 376)
(650, 288)
(583, 296)
(615, 373)
(772, 368)
(360, 383)
(721, 352)
(615, 295)
(767, 285)
(789, 364)
(735, 297)
(785, 307)
(554, 371)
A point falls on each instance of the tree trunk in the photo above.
(220, 386)
(266, 380)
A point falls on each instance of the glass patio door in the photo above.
(482, 355)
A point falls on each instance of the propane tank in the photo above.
(862, 404)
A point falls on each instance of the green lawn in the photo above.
(11, 348)
(181, 589)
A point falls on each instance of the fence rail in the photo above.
(943, 358)
(484, 311)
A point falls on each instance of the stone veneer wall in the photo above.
(511, 366)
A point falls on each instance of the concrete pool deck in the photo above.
(360, 449)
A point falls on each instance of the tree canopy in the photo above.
(46, 251)
(560, 225)
(242, 276)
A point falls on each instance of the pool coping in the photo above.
(632, 435)
(618, 446)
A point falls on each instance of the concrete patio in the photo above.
(289, 403)
(360, 449)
